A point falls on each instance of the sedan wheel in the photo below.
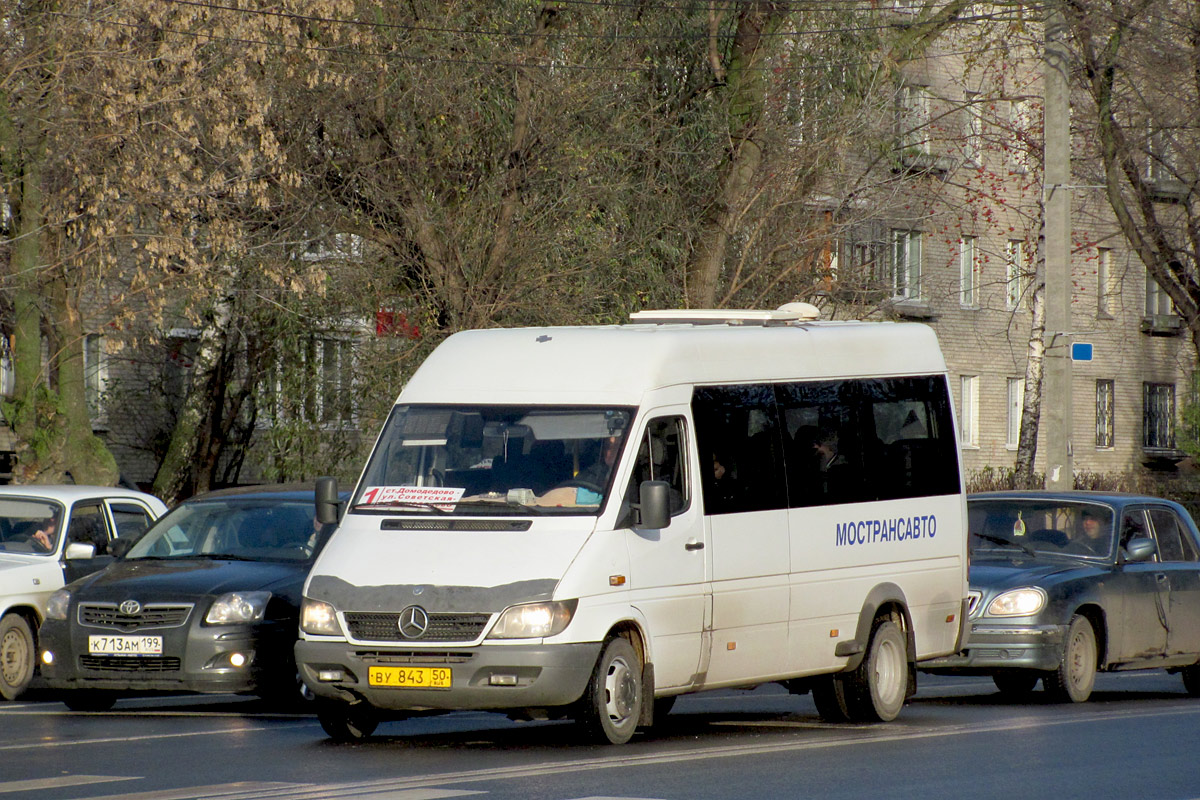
(1072, 682)
(16, 656)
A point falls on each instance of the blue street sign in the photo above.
(1081, 351)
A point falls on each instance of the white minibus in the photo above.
(587, 522)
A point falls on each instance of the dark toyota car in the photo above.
(1065, 584)
(207, 600)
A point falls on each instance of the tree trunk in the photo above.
(747, 97)
(1031, 407)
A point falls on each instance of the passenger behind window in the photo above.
(832, 466)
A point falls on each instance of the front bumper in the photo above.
(195, 658)
(994, 646)
(491, 677)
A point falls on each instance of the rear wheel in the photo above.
(88, 700)
(1072, 682)
(875, 691)
(612, 703)
(1191, 680)
(1015, 683)
(346, 722)
(17, 651)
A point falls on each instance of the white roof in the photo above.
(69, 494)
(617, 364)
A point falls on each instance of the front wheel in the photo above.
(346, 722)
(1072, 682)
(875, 691)
(612, 703)
(17, 651)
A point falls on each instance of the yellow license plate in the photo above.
(409, 677)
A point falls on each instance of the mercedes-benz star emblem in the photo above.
(413, 622)
(130, 607)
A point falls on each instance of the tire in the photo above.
(829, 695)
(1015, 684)
(876, 690)
(612, 703)
(346, 722)
(1072, 682)
(1191, 680)
(88, 700)
(18, 656)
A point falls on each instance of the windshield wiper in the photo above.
(434, 507)
(502, 505)
(1000, 540)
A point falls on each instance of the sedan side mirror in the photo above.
(80, 550)
(1140, 550)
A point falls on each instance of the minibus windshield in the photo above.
(482, 460)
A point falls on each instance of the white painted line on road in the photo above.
(225, 791)
(62, 781)
(111, 739)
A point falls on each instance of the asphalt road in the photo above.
(1137, 738)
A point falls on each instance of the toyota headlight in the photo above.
(238, 607)
(533, 620)
(319, 618)
(57, 605)
(1018, 603)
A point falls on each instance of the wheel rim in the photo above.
(1081, 660)
(889, 673)
(14, 656)
(620, 691)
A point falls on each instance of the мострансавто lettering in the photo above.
(897, 529)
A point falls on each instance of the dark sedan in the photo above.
(206, 601)
(1064, 584)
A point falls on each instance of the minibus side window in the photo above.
(911, 420)
(822, 443)
(738, 439)
(660, 458)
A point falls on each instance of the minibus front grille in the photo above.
(499, 525)
(368, 626)
(413, 657)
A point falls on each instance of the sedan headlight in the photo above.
(57, 605)
(238, 607)
(1018, 603)
(319, 618)
(533, 620)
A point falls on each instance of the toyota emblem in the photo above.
(413, 622)
(130, 607)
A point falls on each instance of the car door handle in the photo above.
(694, 545)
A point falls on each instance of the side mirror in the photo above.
(1140, 550)
(654, 510)
(326, 497)
(80, 551)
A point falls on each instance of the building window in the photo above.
(1158, 303)
(1104, 413)
(969, 410)
(1158, 416)
(7, 376)
(314, 383)
(968, 273)
(1025, 131)
(1016, 402)
(1104, 289)
(1017, 280)
(906, 264)
(973, 142)
(95, 376)
(912, 119)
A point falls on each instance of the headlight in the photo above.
(56, 606)
(533, 620)
(318, 617)
(238, 607)
(1018, 603)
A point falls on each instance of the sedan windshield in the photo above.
(29, 526)
(495, 460)
(1041, 526)
(261, 530)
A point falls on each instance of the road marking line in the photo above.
(62, 781)
(216, 790)
(112, 739)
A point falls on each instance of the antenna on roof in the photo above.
(791, 312)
